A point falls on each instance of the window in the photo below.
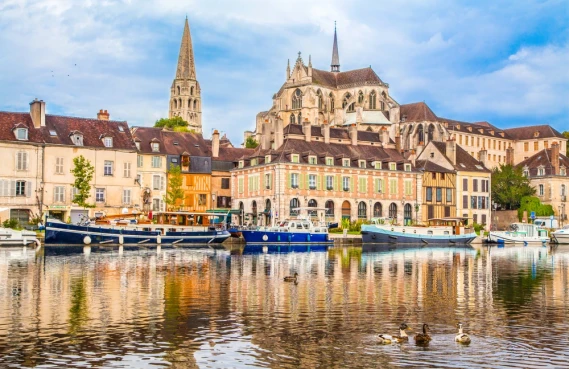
(362, 163)
(377, 165)
(393, 211)
(126, 197)
(536, 146)
(312, 181)
(360, 97)
(292, 119)
(329, 161)
(155, 146)
(392, 166)
(541, 190)
(430, 213)
(157, 182)
(297, 99)
(442, 176)
(362, 184)
(407, 168)
(139, 161)
(345, 162)
(202, 199)
(439, 194)
(240, 185)
(540, 171)
(121, 129)
(393, 186)
(77, 139)
(294, 158)
(372, 100)
(20, 188)
(59, 194)
(346, 183)
(475, 218)
(331, 96)
(545, 145)
(362, 210)
(241, 164)
(253, 162)
(22, 161)
(127, 170)
(22, 134)
(157, 204)
(408, 188)
(434, 175)
(224, 183)
(108, 170)
(329, 208)
(312, 160)
(294, 205)
(74, 192)
(294, 180)
(447, 211)
(562, 190)
(351, 108)
(156, 162)
(319, 96)
(473, 202)
(58, 165)
(52, 132)
(526, 173)
(465, 184)
(100, 195)
(475, 185)
(465, 201)
(377, 209)
(108, 141)
(267, 181)
(379, 185)
(329, 183)
(526, 146)
(483, 218)
(429, 195)
(449, 195)
(345, 101)
(267, 159)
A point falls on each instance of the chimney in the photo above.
(398, 143)
(37, 112)
(103, 115)
(555, 158)
(510, 156)
(326, 132)
(384, 136)
(307, 130)
(413, 156)
(451, 150)
(266, 135)
(483, 155)
(215, 144)
(353, 131)
(279, 132)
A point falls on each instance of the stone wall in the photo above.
(503, 218)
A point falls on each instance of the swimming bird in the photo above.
(461, 337)
(386, 339)
(291, 278)
(423, 338)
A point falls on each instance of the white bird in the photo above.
(386, 339)
(461, 337)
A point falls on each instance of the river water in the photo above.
(184, 308)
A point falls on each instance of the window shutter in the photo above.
(162, 183)
(6, 191)
(338, 182)
(376, 185)
(12, 188)
(28, 189)
(351, 184)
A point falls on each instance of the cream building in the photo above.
(46, 148)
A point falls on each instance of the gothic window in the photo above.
(178, 90)
(362, 210)
(189, 103)
(346, 99)
(393, 211)
(377, 210)
(372, 100)
(382, 104)
(299, 118)
(352, 107)
(297, 99)
(180, 103)
(384, 95)
(360, 97)
(431, 132)
(421, 133)
(175, 104)
(192, 90)
(319, 95)
(195, 105)
(331, 96)
(292, 119)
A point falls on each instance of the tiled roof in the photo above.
(356, 77)
(336, 133)
(417, 112)
(528, 133)
(543, 159)
(464, 161)
(233, 153)
(429, 166)
(171, 143)
(93, 130)
(479, 128)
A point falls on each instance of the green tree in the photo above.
(509, 185)
(174, 191)
(532, 203)
(171, 122)
(566, 134)
(251, 143)
(83, 173)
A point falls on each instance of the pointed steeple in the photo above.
(335, 66)
(186, 66)
(288, 69)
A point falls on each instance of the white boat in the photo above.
(561, 235)
(521, 234)
(10, 237)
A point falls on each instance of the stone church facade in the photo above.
(185, 93)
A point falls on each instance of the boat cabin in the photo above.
(458, 224)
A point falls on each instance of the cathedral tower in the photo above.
(335, 65)
(185, 94)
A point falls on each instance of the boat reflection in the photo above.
(282, 249)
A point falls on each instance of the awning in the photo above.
(225, 211)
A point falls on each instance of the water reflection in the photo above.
(187, 308)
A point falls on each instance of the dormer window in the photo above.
(536, 134)
(377, 165)
(407, 167)
(121, 129)
(362, 163)
(155, 147)
(22, 134)
(526, 172)
(329, 161)
(137, 145)
(77, 139)
(241, 164)
(267, 159)
(108, 141)
(562, 171)
(312, 160)
(253, 162)
(540, 171)
(392, 166)
(294, 158)
(345, 162)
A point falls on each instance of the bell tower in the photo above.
(185, 94)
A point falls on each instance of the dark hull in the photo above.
(60, 233)
(399, 238)
(266, 237)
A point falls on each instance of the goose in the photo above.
(423, 338)
(386, 339)
(461, 337)
(291, 278)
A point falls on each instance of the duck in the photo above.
(423, 338)
(461, 337)
(291, 278)
(386, 339)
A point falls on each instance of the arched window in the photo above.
(377, 210)
(407, 214)
(195, 105)
(189, 103)
(331, 96)
(431, 133)
(382, 105)
(175, 104)
(299, 118)
(180, 103)
(362, 210)
(312, 203)
(268, 205)
(294, 205)
(254, 207)
(346, 99)
(360, 97)
(292, 119)
(420, 134)
(393, 211)
(352, 107)
(320, 103)
(372, 100)
(562, 190)
(297, 99)
(329, 208)
(192, 90)
(178, 88)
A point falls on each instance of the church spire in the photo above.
(186, 66)
(335, 66)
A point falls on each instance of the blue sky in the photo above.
(505, 62)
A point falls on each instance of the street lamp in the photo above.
(416, 212)
(403, 207)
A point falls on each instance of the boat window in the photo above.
(284, 224)
(292, 225)
(446, 232)
(429, 232)
(306, 225)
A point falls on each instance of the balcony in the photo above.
(329, 188)
(346, 189)
(294, 186)
(312, 187)
(267, 187)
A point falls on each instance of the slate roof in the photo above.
(430, 166)
(417, 112)
(528, 133)
(356, 77)
(171, 143)
(336, 133)
(543, 159)
(464, 161)
(93, 130)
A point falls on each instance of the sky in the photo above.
(505, 62)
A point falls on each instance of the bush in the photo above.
(531, 203)
(11, 223)
(335, 230)
(345, 224)
(478, 227)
